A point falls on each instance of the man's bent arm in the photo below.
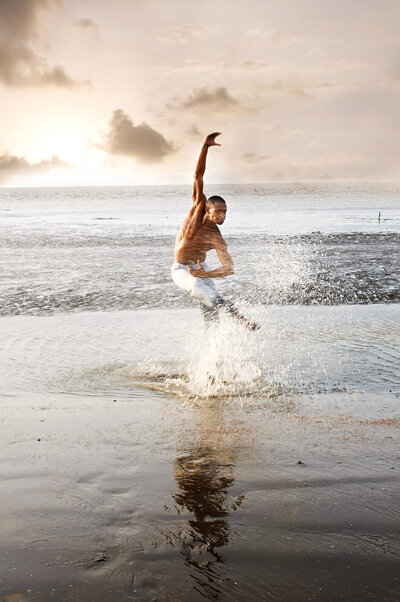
(226, 260)
(217, 273)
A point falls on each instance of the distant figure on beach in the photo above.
(200, 233)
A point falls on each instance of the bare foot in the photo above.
(248, 323)
(253, 325)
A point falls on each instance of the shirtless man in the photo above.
(200, 233)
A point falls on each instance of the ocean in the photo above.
(88, 305)
(145, 458)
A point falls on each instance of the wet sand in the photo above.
(149, 498)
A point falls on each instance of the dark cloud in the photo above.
(19, 17)
(217, 99)
(20, 65)
(140, 141)
(84, 24)
(11, 165)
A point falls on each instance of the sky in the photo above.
(94, 92)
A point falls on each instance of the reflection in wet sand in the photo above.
(204, 474)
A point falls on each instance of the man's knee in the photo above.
(203, 293)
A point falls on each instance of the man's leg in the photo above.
(215, 303)
(231, 310)
(204, 290)
(210, 314)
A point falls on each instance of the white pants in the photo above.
(202, 289)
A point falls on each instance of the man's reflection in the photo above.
(204, 474)
(204, 479)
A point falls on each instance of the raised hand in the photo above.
(210, 140)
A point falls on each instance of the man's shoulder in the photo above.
(216, 237)
(211, 230)
(212, 227)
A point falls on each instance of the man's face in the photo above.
(216, 213)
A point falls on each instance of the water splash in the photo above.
(222, 364)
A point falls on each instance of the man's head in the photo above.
(216, 209)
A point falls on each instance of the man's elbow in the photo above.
(230, 270)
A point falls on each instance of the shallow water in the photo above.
(83, 271)
(110, 248)
(300, 350)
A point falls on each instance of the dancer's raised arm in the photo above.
(196, 215)
(198, 194)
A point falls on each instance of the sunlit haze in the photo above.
(102, 93)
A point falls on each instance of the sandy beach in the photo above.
(109, 498)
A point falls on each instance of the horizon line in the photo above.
(270, 182)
